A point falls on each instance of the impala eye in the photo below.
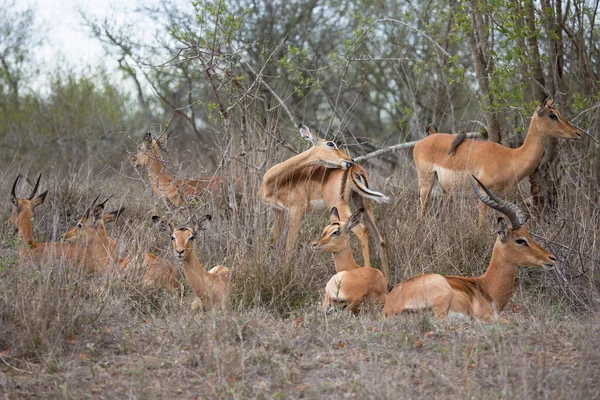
(191, 237)
(336, 233)
(554, 116)
(331, 144)
(522, 242)
(79, 225)
(172, 238)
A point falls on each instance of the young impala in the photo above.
(322, 177)
(483, 297)
(498, 167)
(351, 285)
(211, 288)
(21, 219)
(173, 191)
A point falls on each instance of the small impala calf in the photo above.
(483, 297)
(211, 288)
(321, 177)
(351, 285)
(498, 167)
(21, 218)
(173, 191)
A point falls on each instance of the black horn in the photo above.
(512, 211)
(89, 209)
(13, 192)
(35, 188)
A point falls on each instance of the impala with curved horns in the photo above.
(321, 177)
(21, 218)
(498, 167)
(173, 191)
(352, 284)
(483, 297)
(211, 288)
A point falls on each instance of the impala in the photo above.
(483, 297)
(498, 167)
(21, 220)
(321, 177)
(352, 284)
(90, 233)
(174, 191)
(211, 288)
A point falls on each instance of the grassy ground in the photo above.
(72, 336)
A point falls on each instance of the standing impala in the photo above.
(498, 167)
(174, 191)
(21, 218)
(352, 284)
(321, 177)
(211, 288)
(483, 297)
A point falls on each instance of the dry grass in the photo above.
(63, 334)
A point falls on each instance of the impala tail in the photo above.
(359, 183)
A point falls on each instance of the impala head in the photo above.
(22, 208)
(325, 151)
(92, 222)
(514, 243)
(148, 149)
(182, 238)
(551, 122)
(336, 235)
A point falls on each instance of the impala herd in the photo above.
(325, 177)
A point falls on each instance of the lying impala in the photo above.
(322, 176)
(21, 219)
(90, 232)
(174, 191)
(351, 285)
(211, 288)
(483, 297)
(498, 167)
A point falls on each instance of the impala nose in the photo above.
(315, 246)
(179, 253)
(552, 258)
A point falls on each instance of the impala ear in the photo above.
(39, 199)
(98, 212)
(548, 101)
(162, 225)
(112, 215)
(202, 223)
(502, 229)
(355, 219)
(148, 138)
(307, 134)
(162, 140)
(334, 216)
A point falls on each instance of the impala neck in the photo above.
(499, 279)
(194, 273)
(286, 169)
(528, 156)
(344, 260)
(158, 178)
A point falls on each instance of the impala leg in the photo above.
(482, 208)
(278, 224)
(383, 254)
(362, 233)
(425, 185)
(441, 305)
(296, 214)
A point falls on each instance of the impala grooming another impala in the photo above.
(211, 288)
(21, 218)
(351, 285)
(174, 191)
(323, 177)
(498, 167)
(483, 297)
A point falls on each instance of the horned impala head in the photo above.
(551, 122)
(182, 238)
(22, 208)
(325, 151)
(92, 222)
(148, 149)
(336, 235)
(514, 243)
